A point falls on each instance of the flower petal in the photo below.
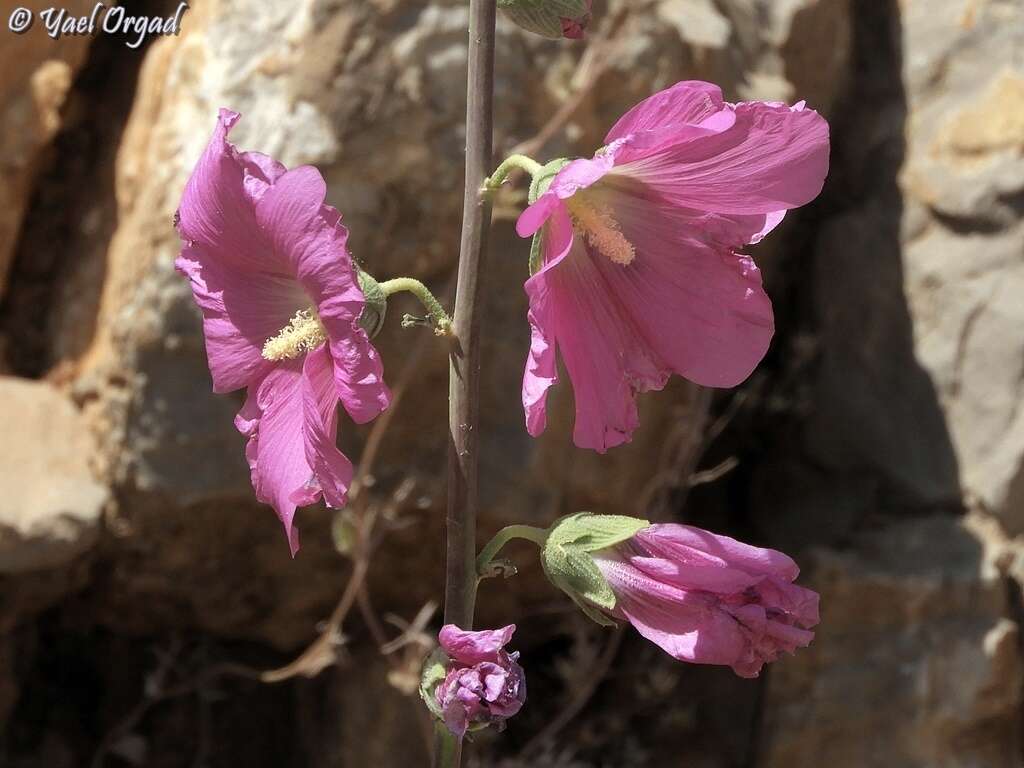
(607, 359)
(469, 647)
(276, 448)
(311, 237)
(542, 365)
(217, 213)
(774, 158)
(686, 625)
(674, 541)
(241, 309)
(686, 103)
(719, 580)
(331, 469)
(700, 309)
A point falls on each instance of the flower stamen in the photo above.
(601, 230)
(303, 334)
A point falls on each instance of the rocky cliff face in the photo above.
(880, 441)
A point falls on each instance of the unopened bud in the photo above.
(549, 18)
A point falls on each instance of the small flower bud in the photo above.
(376, 306)
(553, 19)
(471, 681)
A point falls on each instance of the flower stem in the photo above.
(464, 361)
(537, 535)
(512, 162)
(438, 317)
(447, 748)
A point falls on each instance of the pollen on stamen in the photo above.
(602, 232)
(304, 333)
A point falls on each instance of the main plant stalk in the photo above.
(464, 373)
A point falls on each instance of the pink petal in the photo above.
(686, 103)
(536, 215)
(582, 173)
(331, 469)
(241, 309)
(685, 625)
(699, 309)
(542, 365)
(673, 541)
(311, 237)
(469, 647)
(719, 580)
(607, 359)
(215, 211)
(261, 171)
(774, 158)
(276, 450)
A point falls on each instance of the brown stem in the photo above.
(464, 371)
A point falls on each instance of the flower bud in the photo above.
(471, 681)
(701, 597)
(549, 18)
(376, 306)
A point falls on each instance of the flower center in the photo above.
(601, 230)
(304, 333)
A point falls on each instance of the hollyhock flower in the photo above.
(482, 682)
(639, 275)
(550, 18)
(281, 303)
(701, 597)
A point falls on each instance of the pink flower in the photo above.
(640, 276)
(281, 303)
(483, 683)
(709, 599)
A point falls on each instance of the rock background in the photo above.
(881, 441)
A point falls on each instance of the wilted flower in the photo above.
(701, 597)
(550, 18)
(638, 276)
(281, 305)
(478, 683)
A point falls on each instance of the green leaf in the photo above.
(588, 532)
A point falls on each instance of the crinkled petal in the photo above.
(674, 541)
(276, 449)
(772, 159)
(332, 471)
(261, 171)
(217, 213)
(686, 103)
(311, 236)
(241, 309)
(469, 647)
(700, 309)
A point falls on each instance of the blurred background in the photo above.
(149, 612)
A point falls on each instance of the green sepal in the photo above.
(574, 572)
(589, 532)
(536, 253)
(376, 304)
(544, 176)
(433, 674)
